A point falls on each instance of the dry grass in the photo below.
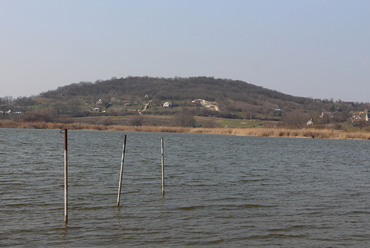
(302, 133)
(260, 132)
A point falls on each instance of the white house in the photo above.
(197, 101)
(99, 102)
(167, 105)
(206, 104)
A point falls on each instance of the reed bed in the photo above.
(260, 132)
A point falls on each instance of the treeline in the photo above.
(173, 88)
(231, 96)
(6, 100)
(180, 89)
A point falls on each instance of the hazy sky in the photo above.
(310, 48)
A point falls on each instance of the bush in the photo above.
(136, 121)
(184, 119)
(36, 116)
(106, 121)
(297, 119)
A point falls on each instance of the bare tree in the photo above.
(136, 121)
(105, 121)
(296, 118)
(184, 119)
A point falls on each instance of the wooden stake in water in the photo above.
(121, 171)
(162, 153)
(65, 178)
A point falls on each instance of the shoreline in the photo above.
(257, 132)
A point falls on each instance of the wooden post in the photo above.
(121, 171)
(162, 155)
(65, 178)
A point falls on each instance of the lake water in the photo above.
(221, 191)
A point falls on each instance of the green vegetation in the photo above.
(196, 101)
(237, 123)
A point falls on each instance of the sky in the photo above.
(308, 48)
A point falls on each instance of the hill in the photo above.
(157, 100)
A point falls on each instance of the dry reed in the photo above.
(260, 132)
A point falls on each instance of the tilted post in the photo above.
(162, 155)
(121, 171)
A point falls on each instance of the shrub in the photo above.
(184, 119)
(136, 121)
(106, 121)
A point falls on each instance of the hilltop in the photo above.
(179, 101)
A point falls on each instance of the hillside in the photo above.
(163, 98)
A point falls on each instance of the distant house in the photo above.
(310, 123)
(361, 116)
(277, 111)
(96, 110)
(197, 101)
(167, 105)
(99, 102)
(206, 104)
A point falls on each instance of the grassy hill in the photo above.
(212, 102)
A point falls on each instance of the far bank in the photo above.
(259, 132)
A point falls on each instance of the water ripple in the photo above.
(259, 192)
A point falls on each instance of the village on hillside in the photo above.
(205, 101)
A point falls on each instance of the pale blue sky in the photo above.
(310, 48)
